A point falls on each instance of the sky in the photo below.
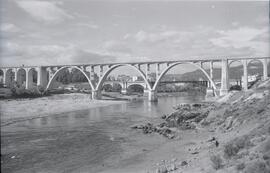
(49, 32)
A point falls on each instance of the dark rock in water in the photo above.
(184, 163)
(163, 117)
(137, 126)
(196, 105)
(212, 139)
(196, 152)
(217, 143)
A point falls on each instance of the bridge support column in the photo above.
(265, 69)
(92, 73)
(211, 69)
(210, 92)
(157, 70)
(147, 71)
(145, 91)
(42, 77)
(245, 75)
(5, 77)
(124, 88)
(152, 96)
(123, 91)
(29, 79)
(100, 71)
(16, 75)
(224, 77)
(96, 95)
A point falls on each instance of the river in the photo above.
(92, 140)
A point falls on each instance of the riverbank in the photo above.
(211, 143)
(232, 135)
(14, 110)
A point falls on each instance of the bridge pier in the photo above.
(245, 75)
(29, 79)
(265, 69)
(123, 91)
(96, 95)
(42, 77)
(224, 77)
(152, 96)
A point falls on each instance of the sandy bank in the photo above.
(21, 109)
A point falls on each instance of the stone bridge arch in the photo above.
(138, 84)
(178, 63)
(52, 79)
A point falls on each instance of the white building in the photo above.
(134, 78)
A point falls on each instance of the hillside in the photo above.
(234, 73)
(229, 135)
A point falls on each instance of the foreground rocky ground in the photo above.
(231, 135)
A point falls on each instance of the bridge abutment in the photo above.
(96, 95)
(224, 77)
(123, 91)
(265, 69)
(152, 96)
(29, 79)
(245, 75)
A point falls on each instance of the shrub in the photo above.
(257, 166)
(217, 162)
(240, 166)
(21, 92)
(233, 147)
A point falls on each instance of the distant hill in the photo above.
(234, 73)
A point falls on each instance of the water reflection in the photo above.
(112, 112)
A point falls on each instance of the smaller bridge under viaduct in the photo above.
(126, 85)
(46, 75)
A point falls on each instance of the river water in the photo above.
(82, 141)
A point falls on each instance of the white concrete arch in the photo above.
(178, 63)
(260, 61)
(233, 61)
(67, 67)
(104, 77)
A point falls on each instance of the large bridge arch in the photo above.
(52, 79)
(178, 63)
(234, 61)
(106, 74)
(259, 61)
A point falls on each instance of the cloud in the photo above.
(244, 37)
(15, 54)
(117, 46)
(9, 27)
(154, 37)
(44, 10)
(88, 25)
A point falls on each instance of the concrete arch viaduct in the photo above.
(46, 75)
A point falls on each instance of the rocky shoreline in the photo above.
(238, 130)
(185, 117)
